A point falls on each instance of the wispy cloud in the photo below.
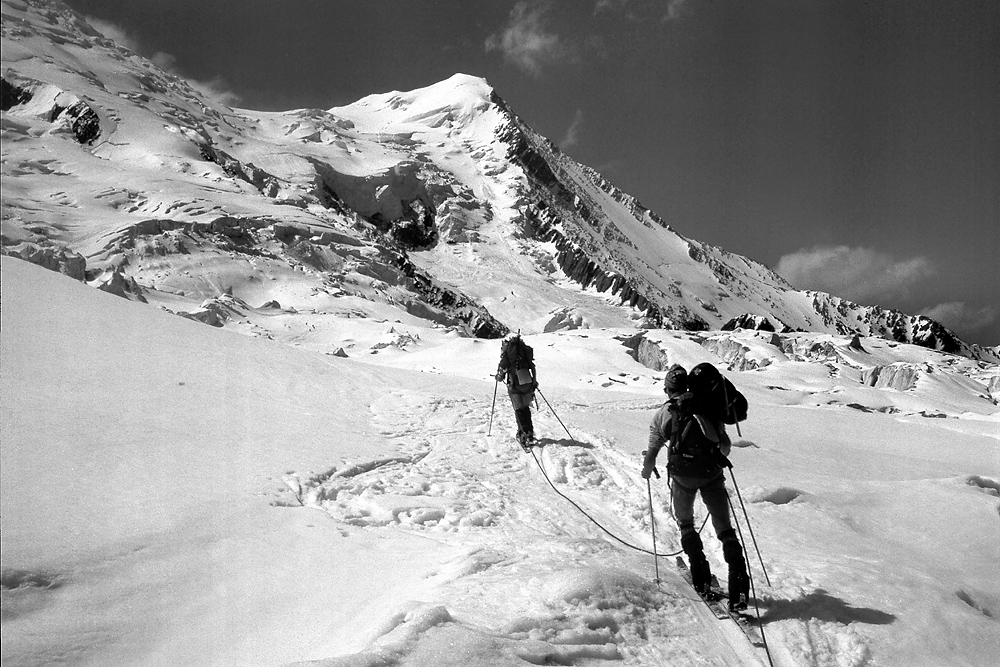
(863, 275)
(115, 33)
(961, 317)
(572, 137)
(215, 88)
(642, 10)
(527, 42)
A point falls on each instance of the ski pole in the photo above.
(749, 527)
(554, 413)
(495, 385)
(652, 524)
(753, 589)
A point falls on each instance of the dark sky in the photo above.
(853, 146)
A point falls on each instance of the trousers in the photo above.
(713, 494)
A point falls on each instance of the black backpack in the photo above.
(714, 396)
(521, 364)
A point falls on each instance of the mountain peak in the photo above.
(459, 98)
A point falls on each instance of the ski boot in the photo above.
(701, 572)
(739, 581)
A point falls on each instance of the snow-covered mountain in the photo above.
(326, 476)
(439, 203)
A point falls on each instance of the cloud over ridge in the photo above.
(215, 87)
(864, 275)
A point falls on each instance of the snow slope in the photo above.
(179, 494)
(326, 476)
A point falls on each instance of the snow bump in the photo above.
(781, 495)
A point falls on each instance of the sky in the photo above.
(853, 147)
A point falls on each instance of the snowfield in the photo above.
(255, 423)
(177, 494)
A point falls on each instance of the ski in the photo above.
(748, 625)
(527, 443)
(718, 602)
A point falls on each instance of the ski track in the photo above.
(597, 599)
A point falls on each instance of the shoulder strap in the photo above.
(709, 428)
(678, 421)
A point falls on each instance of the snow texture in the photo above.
(326, 474)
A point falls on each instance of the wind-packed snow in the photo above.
(178, 494)
(327, 474)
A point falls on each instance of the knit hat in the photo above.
(675, 381)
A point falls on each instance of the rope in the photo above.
(653, 553)
(598, 524)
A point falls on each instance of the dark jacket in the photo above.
(702, 444)
(528, 380)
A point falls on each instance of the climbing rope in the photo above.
(598, 524)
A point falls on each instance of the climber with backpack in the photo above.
(692, 424)
(517, 369)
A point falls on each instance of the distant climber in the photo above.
(517, 369)
(693, 421)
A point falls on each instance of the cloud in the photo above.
(214, 88)
(217, 89)
(115, 33)
(642, 10)
(572, 137)
(863, 275)
(526, 42)
(959, 316)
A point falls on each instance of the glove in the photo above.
(649, 465)
(499, 376)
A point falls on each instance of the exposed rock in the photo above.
(52, 104)
(320, 257)
(748, 321)
(122, 285)
(217, 310)
(272, 304)
(12, 95)
(54, 258)
(900, 376)
(415, 229)
(268, 184)
(83, 121)
(475, 317)
(457, 221)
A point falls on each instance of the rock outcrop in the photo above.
(51, 257)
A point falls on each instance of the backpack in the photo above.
(692, 453)
(520, 364)
(714, 396)
(696, 418)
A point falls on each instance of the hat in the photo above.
(675, 381)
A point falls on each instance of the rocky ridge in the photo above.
(378, 202)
